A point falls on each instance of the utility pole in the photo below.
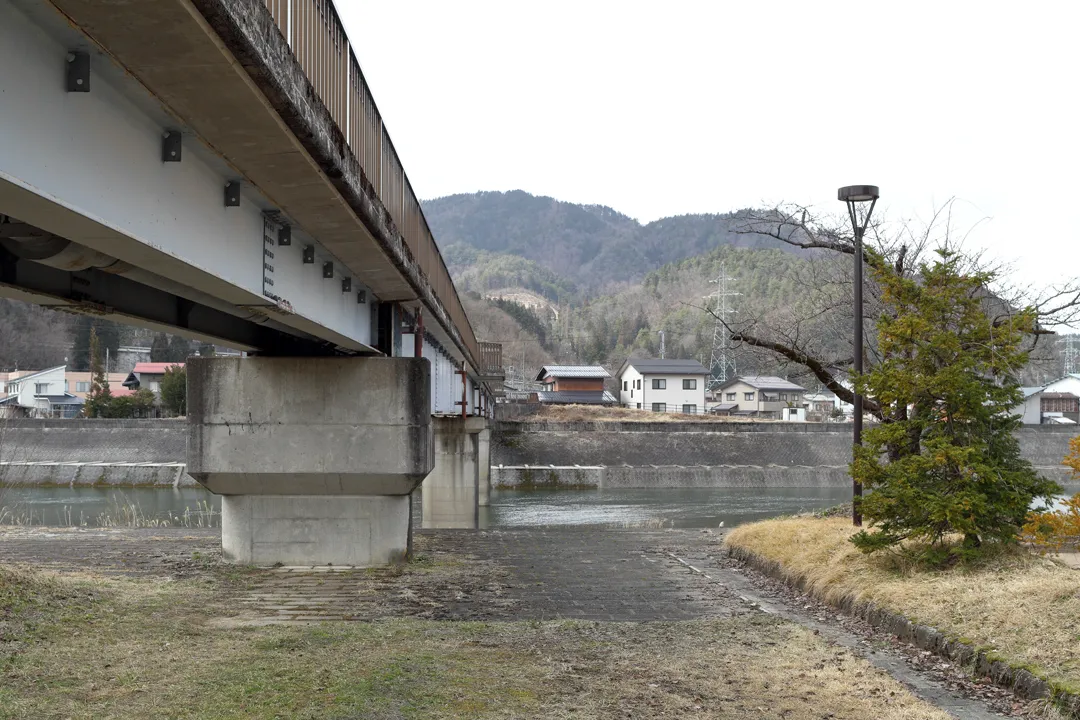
(1072, 354)
(723, 357)
(661, 344)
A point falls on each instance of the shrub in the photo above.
(1056, 530)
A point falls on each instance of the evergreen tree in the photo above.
(174, 390)
(159, 348)
(99, 399)
(945, 461)
(179, 349)
(108, 337)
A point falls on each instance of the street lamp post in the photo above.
(854, 195)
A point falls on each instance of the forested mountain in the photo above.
(31, 337)
(591, 247)
(674, 298)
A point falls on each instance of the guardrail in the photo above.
(319, 42)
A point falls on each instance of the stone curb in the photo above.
(1021, 681)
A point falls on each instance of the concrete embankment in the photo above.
(671, 454)
(121, 453)
(524, 454)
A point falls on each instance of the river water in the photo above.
(672, 507)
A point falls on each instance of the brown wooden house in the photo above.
(574, 384)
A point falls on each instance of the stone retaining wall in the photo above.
(615, 454)
(169, 475)
(522, 477)
(718, 454)
(113, 441)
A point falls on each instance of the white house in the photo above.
(663, 385)
(1055, 402)
(40, 394)
(1030, 410)
(762, 395)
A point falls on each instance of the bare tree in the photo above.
(813, 335)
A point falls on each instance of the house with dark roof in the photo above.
(663, 385)
(40, 394)
(574, 385)
(762, 395)
(148, 375)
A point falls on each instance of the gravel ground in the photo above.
(513, 575)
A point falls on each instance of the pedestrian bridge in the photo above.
(218, 169)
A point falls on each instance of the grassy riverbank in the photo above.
(1024, 608)
(82, 646)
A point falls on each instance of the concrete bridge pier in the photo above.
(483, 467)
(452, 492)
(314, 457)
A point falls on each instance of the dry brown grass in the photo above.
(597, 413)
(126, 648)
(1023, 607)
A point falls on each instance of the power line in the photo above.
(723, 356)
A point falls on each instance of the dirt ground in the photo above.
(534, 623)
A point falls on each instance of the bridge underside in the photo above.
(167, 163)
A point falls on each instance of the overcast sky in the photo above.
(660, 109)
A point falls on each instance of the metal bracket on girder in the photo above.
(78, 71)
(171, 146)
(232, 194)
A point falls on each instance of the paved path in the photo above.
(589, 574)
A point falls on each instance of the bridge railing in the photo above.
(318, 40)
(491, 358)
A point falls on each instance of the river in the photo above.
(678, 507)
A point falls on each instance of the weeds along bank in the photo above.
(1012, 615)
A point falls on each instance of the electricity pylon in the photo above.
(723, 356)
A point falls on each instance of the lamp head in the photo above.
(858, 193)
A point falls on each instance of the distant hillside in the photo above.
(673, 298)
(588, 247)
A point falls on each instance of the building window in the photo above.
(659, 407)
(689, 409)
(41, 388)
(66, 387)
(638, 383)
(783, 396)
(639, 406)
(659, 384)
(731, 396)
(689, 384)
(155, 385)
(82, 387)
(748, 396)
(624, 385)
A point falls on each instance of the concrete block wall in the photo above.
(665, 476)
(166, 475)
(713, 455)
(114, 441)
